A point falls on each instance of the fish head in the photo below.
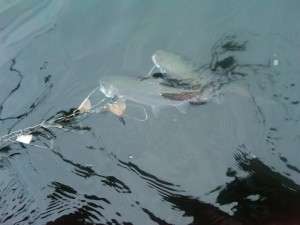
(174, 66)
(166, 61)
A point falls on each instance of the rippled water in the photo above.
(231, 161)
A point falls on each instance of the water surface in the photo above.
(236, 159)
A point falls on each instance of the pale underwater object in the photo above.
(178, 84)
(147, 92)
(178, 71)
(174, 65)
(199, 86)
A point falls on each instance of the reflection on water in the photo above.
(86, 172)
(263, 196)
(65, 199)
(18, 206)
(170, 169)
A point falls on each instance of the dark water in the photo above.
(234, 161)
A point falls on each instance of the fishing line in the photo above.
(64, 119)
(151, 70)
(149, 74)
(146, 116)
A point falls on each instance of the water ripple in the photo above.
(17, 205)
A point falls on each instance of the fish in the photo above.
(198, 86)
(177, 71)
(195, 85)
(175, 65)
(178, 84)
(147, 92)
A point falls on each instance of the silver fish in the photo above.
(147, 92)
(181, 84)
(178, 71)
(199, 86)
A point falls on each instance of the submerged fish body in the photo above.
(178, 84)
(178, 70)
(196, 86)
(146, 92)
(174, 65)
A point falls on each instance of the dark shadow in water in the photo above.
(17, 205)
(86, 172)
(224, 60)
(76, 218)
(77, 208)
(262, 197)
(225, 66)
(151, 180)
(64, 196)
(66, 199)
(220, 58)
(154, 218)
(202, 213)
